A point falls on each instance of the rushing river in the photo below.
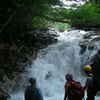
(52, 64)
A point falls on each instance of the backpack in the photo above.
(76, 91)
(96, 83)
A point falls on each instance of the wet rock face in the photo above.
(4, 83)
(4, 95)
(15, 58)
(96, 64)
(89, 40)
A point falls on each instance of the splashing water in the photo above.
(52, 64)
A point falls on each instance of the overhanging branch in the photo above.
(49, 18)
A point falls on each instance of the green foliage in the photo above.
(59, 26)
(88, 14)
(17, 14)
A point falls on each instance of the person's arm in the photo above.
(67, 85)
(89, 81)
(84, 88)
(40, 94)
(25, 93)
(65, 96)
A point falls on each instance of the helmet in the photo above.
(69, 77)
(32, 80)
(87, 68)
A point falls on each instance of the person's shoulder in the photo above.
(37, 87)
(68, 84)
(28, 87)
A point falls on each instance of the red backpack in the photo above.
(76, 91)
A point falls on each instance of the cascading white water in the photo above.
(51, 66)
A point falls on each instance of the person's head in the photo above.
(32, 80)
(87, 69)
(69, 77)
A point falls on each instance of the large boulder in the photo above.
(4, 95)
(96, 64)
(5, 83)
(90, 39)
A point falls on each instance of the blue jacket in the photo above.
(33, 92)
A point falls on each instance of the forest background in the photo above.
(17, 16)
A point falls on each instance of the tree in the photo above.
(17, 14)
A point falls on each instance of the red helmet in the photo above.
(69, 77)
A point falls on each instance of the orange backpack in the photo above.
(76, 91)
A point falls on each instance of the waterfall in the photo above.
(51, 65)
